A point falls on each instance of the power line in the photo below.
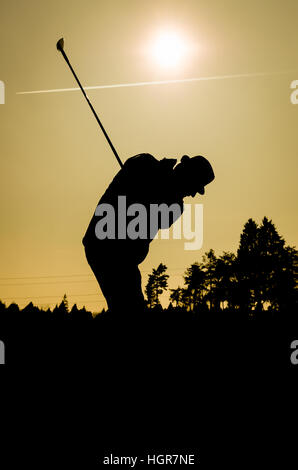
(42, 277)
(56, 282)
(46, 283)
(43, 305)
(61, 276)
(50, 296)
(72, 275)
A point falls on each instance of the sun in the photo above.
(169, 49)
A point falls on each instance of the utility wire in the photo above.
(49, 296)
(74, 275)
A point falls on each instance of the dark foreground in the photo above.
(220, 386)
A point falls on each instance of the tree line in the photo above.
(61, 311)
(262, 275)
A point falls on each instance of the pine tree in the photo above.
(61, 311)
(195, 281)
(157, 283)
(266, 268)
(177, 296)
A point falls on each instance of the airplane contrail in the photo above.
(160, 82)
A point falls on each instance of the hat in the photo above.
(200, 170)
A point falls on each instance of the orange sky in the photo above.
(55, 163)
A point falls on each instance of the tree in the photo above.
(13, 310)
(247, 266)
(62, 310)
(266, 268)
(210, 267)
(177, 296)
(75, 313)
(79, 314)
(226, 282)
(194, 279)
(30, 311)
(2, 307)
(157, 283)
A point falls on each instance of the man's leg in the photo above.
(120, 282)
(130, 289)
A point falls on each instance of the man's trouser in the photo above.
(120, 281)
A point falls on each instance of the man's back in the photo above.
(142, 180)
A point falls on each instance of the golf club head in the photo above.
(60, 44)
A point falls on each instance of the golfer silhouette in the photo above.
(114, 252)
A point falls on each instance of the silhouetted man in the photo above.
(112, 244)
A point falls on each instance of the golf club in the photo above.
(60, 47)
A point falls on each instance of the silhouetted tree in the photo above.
(80, 314)
(12, 310)
(285, 293)
(266, 270)
(2, 307)
(177, 296)
(194, 279)
(64, 303)
(226, 281)
(210, 268)
(279, 275)
(61, 311)
(30, 311)
(247, 266)
(187, 297)
(74, 311)
(157, 283)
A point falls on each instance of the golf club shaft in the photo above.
(92, 109)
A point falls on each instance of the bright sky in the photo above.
(55, 163)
